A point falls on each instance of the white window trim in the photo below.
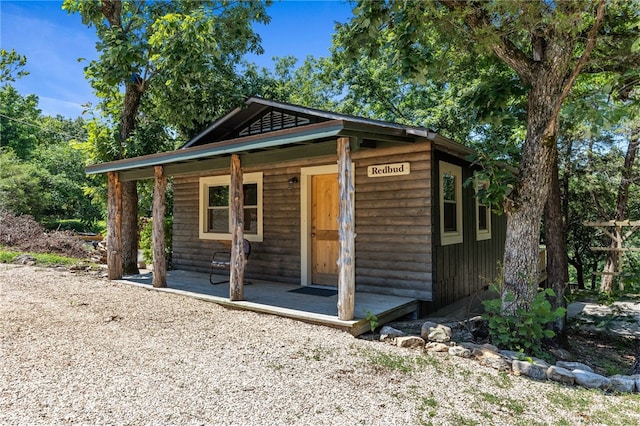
(205, 183)
(482, 234)
(451, 237)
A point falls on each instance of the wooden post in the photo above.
(114, 227)
(157, 236)
(346, 217)
(236, 198)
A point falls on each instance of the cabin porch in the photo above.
(278, 299)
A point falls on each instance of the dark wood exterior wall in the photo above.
(462, 269)
(393, 223)
(277, 257)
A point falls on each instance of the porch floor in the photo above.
(277, 299)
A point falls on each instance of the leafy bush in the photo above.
(525, 330)
(146, 243)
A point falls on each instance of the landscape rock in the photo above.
(561, 375)
(513, 354)
(498, 363)
(622, 383)
(636, 377)
(460, 351)
(560, 354)
(390, 333)
(591, 380)
(570, 365)
(533, 370)
(436, 332)
(25, 259)
(410, 342)
(437, 347)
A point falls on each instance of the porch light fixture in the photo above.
(292, 182)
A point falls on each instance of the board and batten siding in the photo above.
(277, 257)
(463, 269)
(393, 223)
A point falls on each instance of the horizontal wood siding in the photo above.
(393, 223)
(277, 257)
(463, 269)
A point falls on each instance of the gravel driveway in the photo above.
(79, 349)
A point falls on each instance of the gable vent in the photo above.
(272, 121)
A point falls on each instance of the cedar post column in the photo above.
(157, 236)
(114, 227)
(236, 195)
(346, 218)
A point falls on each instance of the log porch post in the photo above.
(346, 255)
(238, 261)
(114, 226)
(157, 236)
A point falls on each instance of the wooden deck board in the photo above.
(277, 299)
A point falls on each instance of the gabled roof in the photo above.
(263, 116)
(265, 125)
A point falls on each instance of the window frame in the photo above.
(450, 237)
(482, 234)
(225, 180)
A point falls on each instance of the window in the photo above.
(215, 209)
(450, 203)
(483, 212)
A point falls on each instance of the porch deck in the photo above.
(277, 299)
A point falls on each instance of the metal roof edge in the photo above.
(214, 149)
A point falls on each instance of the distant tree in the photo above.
(17, 117)
(11, 64)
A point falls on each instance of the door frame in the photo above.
(306, 174)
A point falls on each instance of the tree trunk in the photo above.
(346, 256)
(114, 227)
(606, 285)
(130, 227)
(238, 261)
(157, 235)
(556, 241)
(525, 206)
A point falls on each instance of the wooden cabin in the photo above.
(416, 231)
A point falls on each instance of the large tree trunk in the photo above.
(525, 205)
(606, 284)
(556, 241)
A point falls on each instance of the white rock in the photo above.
(569, 365)
(460, 351)
(622, 383)
(530, 369)
(591, 380)
(562, 375)
(388, 333)
(410, 342)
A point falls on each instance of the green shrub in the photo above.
(146, 244)
(525, 330)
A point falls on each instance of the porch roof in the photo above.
(215, 142)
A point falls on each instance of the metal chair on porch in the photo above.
(222, 260)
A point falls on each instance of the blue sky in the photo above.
(53, 41)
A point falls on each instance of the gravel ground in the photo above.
(77, 349)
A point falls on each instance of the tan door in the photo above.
(324, 229)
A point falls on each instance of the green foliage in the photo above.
(373, 320)
(18, 114)
(11, 64)
(525, 330)
(42, 259)
(146, 237)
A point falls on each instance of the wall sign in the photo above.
(395, 169)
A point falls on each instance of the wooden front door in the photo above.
(324, 229)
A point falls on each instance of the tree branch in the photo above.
(477, 19)
(588, 48)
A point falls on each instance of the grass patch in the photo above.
(513, 405)
(42, 259)
(391, 362)
(577, 399)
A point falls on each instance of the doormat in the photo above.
(314, 291)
